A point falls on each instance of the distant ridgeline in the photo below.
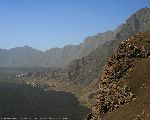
(58, 57)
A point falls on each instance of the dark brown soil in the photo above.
(27, 101)
(139, 81)
(134, 57)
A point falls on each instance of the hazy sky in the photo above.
(44, 24)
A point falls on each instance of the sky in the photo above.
(45, 24)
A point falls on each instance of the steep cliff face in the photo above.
(81, 76)
(83, 71)
(88, 68)
(58, 57)
(135, 23)
(124, 85)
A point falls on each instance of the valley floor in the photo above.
(24, 100)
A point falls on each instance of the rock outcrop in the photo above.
(113, 90)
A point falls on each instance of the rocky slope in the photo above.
(123, 92)
(57, 57)
(85, 70)
(81, 71)
(81, 76)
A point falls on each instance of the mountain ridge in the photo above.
(58, 57)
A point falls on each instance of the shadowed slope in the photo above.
(27, 101)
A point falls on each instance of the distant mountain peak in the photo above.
(26, 46)
(58, 57)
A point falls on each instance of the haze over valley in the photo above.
(103, 77)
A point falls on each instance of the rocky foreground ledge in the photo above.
(114, 90)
